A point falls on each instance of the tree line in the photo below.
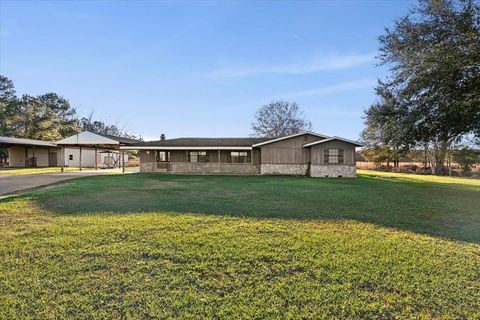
(47, 117)
(431, 99)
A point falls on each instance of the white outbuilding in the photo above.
(85, 149)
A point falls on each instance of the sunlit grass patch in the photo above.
(163, 246)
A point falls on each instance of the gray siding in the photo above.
(348, 153)
(288, 151)
(256, 156)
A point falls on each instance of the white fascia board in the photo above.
(181, 148)
(290, 136)
(332, 139)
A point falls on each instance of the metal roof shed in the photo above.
(31, 144)
(88, 139)
(10, 141)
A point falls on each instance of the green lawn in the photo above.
(172, 246)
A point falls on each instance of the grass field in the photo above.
(168, 246)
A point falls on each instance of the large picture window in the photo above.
(162, 156)
(333, 156)
(198, 156)
(239, 157)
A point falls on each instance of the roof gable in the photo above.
(289, 137)
(332, 139)
(87, 138)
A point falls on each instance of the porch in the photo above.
(200, 161)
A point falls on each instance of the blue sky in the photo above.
(199, 68)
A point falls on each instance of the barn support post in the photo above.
(96, 167)
(34, 162)
(80, 160)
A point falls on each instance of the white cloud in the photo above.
(328, 63)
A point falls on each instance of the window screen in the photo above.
(198, 156)
(162, 156)
(333, 156)
(239, 157)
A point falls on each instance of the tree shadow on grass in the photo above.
(437, 209)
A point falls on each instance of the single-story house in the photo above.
(306, 153)
(85, 149)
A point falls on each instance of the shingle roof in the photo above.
(203, 142)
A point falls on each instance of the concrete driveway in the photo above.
(13, 184)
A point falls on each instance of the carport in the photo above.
(96, 141)
(30, 153)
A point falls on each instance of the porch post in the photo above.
(251, 160)
(80, 159)
(123, 161)
(26, 156)
(96, 167)
(62, 159)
